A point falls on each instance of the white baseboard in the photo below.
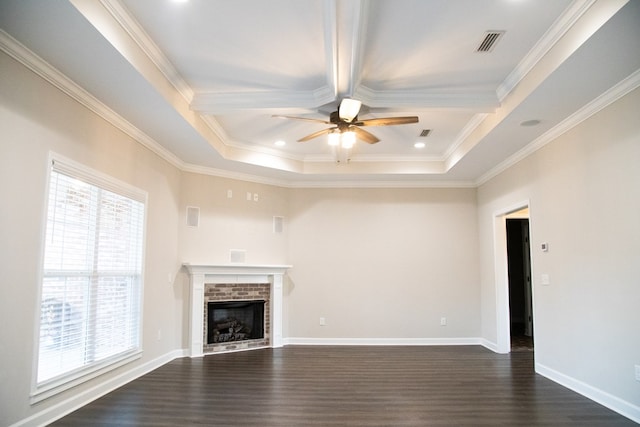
(381, 341)
(489, 345)
(614, 403)
(59, 410)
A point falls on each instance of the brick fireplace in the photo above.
(211, 283)
(239, 297)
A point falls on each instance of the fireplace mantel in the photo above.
(232, 273)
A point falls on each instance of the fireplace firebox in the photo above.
(229, 321)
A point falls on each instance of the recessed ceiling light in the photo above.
(529, 123)
(419, 145)
(280, 143)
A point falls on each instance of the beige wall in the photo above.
(34, 119)
(383, 263)
(584, 195)
(408, 253)
(232, 223)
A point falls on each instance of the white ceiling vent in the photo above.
(489, 41)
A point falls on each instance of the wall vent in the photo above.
(489, 41)
(237, 255)
(425, 133)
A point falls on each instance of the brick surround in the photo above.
(219, 292)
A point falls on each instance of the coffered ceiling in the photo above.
(199, 81)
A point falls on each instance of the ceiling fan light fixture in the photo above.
(349, 109)
(348, 139)
(334, 139)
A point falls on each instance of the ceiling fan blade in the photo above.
(308, 119)
(349, 109)
(367, 137)
(387, 121)
(317, 134)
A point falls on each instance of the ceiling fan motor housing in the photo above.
(334, 118)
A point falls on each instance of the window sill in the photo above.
(55, 386)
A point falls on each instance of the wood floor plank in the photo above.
(347, 386)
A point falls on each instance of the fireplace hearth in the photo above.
(231, 321)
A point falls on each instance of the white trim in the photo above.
(559, 28)
(67, 380)
(80, 399)
(382, 184)
(383, 341)
(66, 166)
(200, 275)
(501, 275)
(142, 39)
(624, 87)
(622, 407)
(50, 74)
(490, 345)
(49, 389)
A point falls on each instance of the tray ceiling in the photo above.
(199, 81)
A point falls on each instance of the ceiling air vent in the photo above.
(425, 132)
(489, 41)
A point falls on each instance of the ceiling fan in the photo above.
(345, 120)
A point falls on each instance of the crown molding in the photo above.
(463, 135)
(39, 66)
(625, 86)
(559, 28)
(238, 176)
(148, 46)
(417, 183)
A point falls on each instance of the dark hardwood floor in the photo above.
(347, 386)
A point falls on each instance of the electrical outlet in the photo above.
(637, 372)
(443, 321)
(323, 321)
(159, 336)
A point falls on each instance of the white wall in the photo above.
(35, 118)
(383, 264)
(584, 195)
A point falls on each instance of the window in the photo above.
(90, 311)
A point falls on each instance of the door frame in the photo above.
(501, 275)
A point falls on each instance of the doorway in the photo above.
(519, 282)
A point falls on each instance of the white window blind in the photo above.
(91, 288)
